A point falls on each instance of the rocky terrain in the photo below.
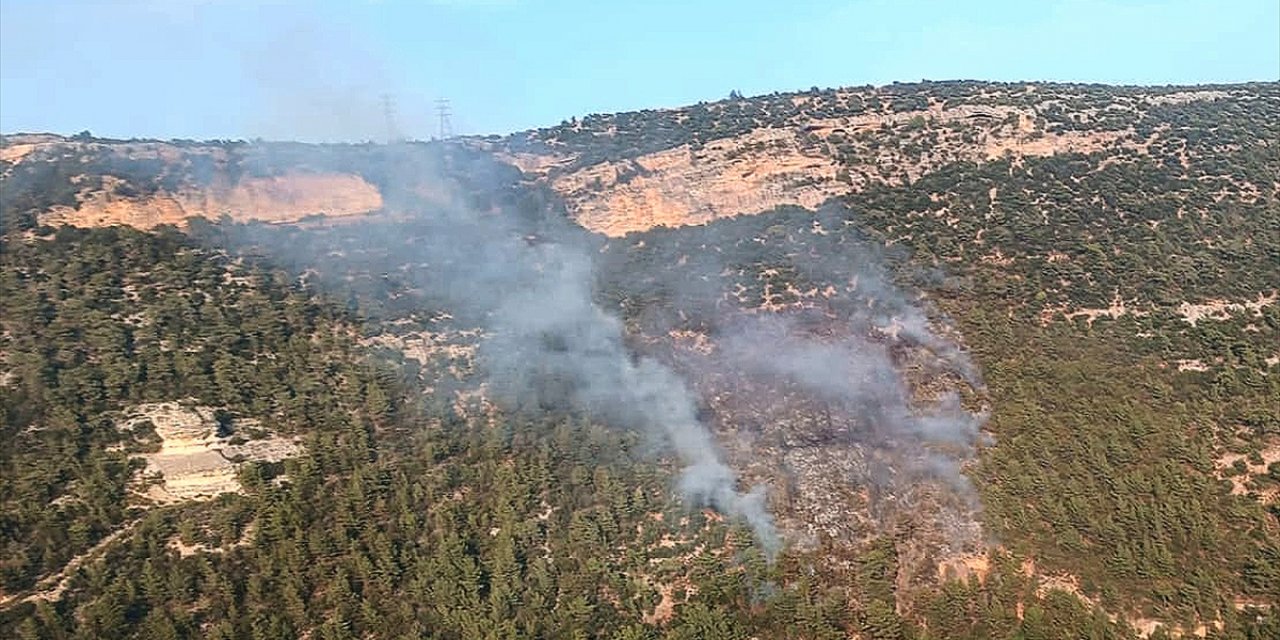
(750, 156)
(1005, 334)
(199, 457)
(742, 157)
(145, 184)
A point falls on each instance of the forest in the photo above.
(1126, 479)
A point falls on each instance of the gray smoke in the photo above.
(547, 344)
(882, 362)
(530, 282)
(552, 344)
(857, 375)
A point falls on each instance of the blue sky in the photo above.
(315, 70)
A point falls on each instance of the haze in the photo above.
(208, 69)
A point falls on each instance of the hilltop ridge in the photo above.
(632, 171)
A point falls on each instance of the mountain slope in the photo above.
(1023, 336)
(628, 172)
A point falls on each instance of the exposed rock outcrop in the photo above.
(195, 460)
(286, 198)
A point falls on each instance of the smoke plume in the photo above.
(553, 344)
(529, 281)
(876, 363)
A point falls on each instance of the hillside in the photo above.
(628, 172)
(953, 360)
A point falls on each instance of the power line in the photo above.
(443, 111)
(389, 111)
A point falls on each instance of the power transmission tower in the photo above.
(389, 110)
(442, 110)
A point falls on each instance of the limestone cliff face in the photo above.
(767, 168)
(144, 184)
(618, 173)
(285, 198)
(748, 174)
(804, 149)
